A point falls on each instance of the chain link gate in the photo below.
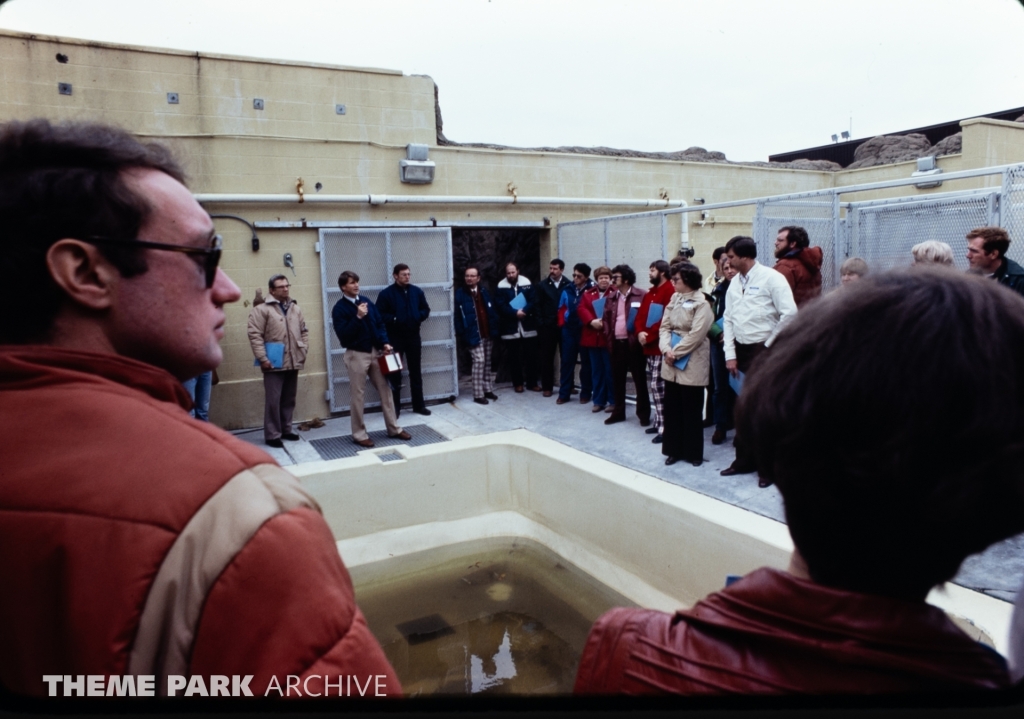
(1011, 210)
(371, 254)
(882, 232)
(636, 241)
(818, 215)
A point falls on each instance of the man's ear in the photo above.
(82, 272)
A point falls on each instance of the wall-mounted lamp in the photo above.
(416, 169)
(927, 167)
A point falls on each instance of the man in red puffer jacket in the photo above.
(135, 540)
(799, 263)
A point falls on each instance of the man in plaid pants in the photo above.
(647, 335)
(476, 321)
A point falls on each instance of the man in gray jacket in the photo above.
(279, 340)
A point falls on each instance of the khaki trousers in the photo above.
(359, 364)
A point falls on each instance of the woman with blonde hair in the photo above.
(932, 252)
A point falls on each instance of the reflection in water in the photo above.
(498, 616)
(504, 667)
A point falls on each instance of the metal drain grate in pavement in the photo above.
(339, 447)
(389, 456)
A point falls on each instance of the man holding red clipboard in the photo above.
(361, 331)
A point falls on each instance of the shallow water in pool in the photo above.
(496, 616)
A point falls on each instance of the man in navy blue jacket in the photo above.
(404, 308)
(361, 331)
(475, 324)
(569, 321)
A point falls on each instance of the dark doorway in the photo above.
(490, 250)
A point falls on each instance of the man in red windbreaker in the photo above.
(135, 542)
(647, 335)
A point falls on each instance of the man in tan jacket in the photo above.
(280, 340)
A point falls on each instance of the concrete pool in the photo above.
(656, 544)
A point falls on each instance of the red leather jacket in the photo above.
(771, 633)
(136, 540)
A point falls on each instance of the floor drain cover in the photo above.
(390, 457)
(424, 629)
(338, 447)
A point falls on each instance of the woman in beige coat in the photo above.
(684, 333)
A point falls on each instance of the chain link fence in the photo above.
(1011, 210)
(883, 232)
(636, 241)
(819, 216)
(372, 254)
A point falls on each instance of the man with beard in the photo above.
(647, 335)
(799, 263)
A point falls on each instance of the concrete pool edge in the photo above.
(517, 481)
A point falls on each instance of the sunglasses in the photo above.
(211, 254)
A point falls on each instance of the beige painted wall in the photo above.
(228, 147)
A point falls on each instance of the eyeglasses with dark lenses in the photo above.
(210, 255)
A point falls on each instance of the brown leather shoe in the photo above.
(547, 393)
(519, 389)
(598, 408)
(615, 419)
(762, 482)
(401, 435)
(718, 437)
(534, 389)
(364, 442)
(561, 401)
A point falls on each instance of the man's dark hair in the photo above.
(471, 267)
(688, 272)
(66, 181)
(661, 266)
(742, 246)
(557, 261)
(796, 234)
(891, 502)
(513, 263)
(628, 276)
(400, 267)
(583, 268)
(995, 238)
(345, 277)
(717, 254)
(275, 279)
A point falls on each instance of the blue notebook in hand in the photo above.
(275, 353)
(654, 313)
(682, 361)
(736, 383)
(518, 302)
(599, 307)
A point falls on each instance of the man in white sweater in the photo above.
(758, 305)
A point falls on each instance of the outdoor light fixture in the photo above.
(845, 135)
(416, 169)
(835, 138)
(926, 166)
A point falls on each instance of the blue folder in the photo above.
(682, 361)
(736, 383)
(275, 353)
(631, 318)
(654, 313)
(599, 307)
(518, 302)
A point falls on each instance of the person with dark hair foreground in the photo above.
(135, 539)
(684, 337)
(877, 515)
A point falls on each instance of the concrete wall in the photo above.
(228, 147)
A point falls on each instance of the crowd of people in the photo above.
(146, 543)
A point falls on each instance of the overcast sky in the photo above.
(746, 77)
